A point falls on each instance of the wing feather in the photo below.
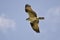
(34, 26)
(29, 10)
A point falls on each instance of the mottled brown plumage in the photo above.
(34, 21)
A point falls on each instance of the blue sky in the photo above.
(13, 24)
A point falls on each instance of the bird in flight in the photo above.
(34, 20)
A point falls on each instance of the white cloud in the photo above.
(54, 11)
(51, 26)
(6, 23)
(53, 18)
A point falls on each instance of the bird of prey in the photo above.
(34, 20)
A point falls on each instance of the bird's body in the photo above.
(34, 21)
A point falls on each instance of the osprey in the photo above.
(34, 20)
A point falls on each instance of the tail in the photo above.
(41, 18)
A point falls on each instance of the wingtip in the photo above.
(27, 5)
(38, 31)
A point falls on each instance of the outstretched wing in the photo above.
(29, 10)
(34, 26)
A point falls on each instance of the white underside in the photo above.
(32, 19)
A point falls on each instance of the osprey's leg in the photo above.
(27, 19)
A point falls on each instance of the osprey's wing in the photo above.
(29, 10)
(34, 26)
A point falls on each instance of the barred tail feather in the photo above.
(41, 18)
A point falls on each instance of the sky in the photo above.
(13, 24)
